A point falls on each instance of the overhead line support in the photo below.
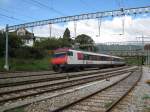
(128, 11)
(6, 66)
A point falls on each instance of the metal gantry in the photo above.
(129, 11)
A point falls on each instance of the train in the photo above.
(64, 59)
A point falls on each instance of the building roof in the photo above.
(23, 33)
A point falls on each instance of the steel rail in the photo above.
(86, 97)
(85, 80)
(46, 79)
(45, 85)
(27, 75)
(124, 95)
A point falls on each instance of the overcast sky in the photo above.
(21, 11)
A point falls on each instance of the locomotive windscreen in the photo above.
(57, 55)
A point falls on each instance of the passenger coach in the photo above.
(64, 59)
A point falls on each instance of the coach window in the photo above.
(90, 57)
(80, 56)
(86, 57)
(113, 59)
(70, 53)
(102, 58)
(99, 58)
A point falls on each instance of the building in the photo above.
(25, 35)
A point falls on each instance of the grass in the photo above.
(146, 96)
(26, 64)
(147, 109)
(43, 64)
(134, 60)
(19, 109)
(108, 104)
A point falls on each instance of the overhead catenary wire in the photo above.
(129, 11)
(8, 11)
(86, 5)
(47, 7)
(11, 17)
(39, 4)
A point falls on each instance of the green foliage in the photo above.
(84, 39)
(49, 44)
(2, 64)
(134, 60)
(2, 44)
(66, 34)
(85, 42)
(14, 42)
(146, 96)
(52, 43)
(19, 109)
(27, 64)
(66, 41)
(29, 53)
(108, 104)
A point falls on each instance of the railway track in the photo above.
(15, 81)
(106, 99)
(20, 74)
(12, 95)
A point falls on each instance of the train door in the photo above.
(70, 57)
(86, 58)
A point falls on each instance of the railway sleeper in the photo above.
(93, 104)
(88, 108)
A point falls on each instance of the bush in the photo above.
(29, 52)
(2, 44)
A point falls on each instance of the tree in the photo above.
(2, 44)
(14, 42)
(67, 41)
(66, 34)
(85, 42)
(48, 44)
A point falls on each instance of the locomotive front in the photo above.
(59, 60)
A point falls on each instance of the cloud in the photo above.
(44, 31)
(110, 29)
